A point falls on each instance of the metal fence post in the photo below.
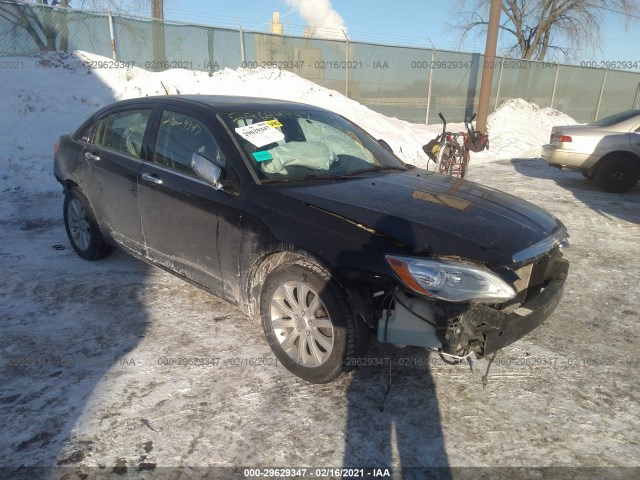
(211, 48)
(433, 57)
(243, 64)
(604, 80)
(346, 70)
(113, 38)
(495, 105)
(555, 82)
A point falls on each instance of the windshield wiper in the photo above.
(376, 169)
(308, 176)
(324, 175)
(333, 176)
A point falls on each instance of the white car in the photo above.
(607, 151)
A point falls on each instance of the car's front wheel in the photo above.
(309, 323)
(82, 227)
(618, 174)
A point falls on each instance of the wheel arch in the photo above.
(359, 300)
(97, 247)
(264, 265)
(69, 184)
(615, 154)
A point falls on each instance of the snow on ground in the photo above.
(85, 377)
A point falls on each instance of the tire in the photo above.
(587, 175)
(452, 161)
(464, 169)
(443, 164)
(309, 324)
(82, 227)
(617, 174)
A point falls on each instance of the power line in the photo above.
(612, 10)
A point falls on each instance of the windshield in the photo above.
(617, 118)
(288, 145)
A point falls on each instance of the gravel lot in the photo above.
(87, 385)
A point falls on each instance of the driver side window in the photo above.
(179, 137)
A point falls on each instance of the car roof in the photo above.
(220, 103)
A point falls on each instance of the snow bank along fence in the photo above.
(410, 83)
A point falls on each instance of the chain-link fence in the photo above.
(409, 83)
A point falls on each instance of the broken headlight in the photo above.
(450, 280)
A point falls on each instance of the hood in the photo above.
(434, 214)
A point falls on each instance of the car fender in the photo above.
(268, 241)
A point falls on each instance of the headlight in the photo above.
(450, 280)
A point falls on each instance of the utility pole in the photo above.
(64, 26)
(489, 64)
(157, 9)
(157, 34)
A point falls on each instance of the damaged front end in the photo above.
(507, 303)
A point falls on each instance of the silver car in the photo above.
(607, 151)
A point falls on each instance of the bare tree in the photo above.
(42, 29)
(115, 6)
(47, 27)
(539, 28)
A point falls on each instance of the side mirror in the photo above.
(207, 171)
(386, 146)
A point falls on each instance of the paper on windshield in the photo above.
(260, 134)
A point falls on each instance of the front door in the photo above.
(179, 210)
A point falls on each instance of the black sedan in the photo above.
(311, 225)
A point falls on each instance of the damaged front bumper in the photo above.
(461, 329)
(499, 328)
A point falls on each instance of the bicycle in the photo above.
(450, 154)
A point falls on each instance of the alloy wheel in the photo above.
(301, 324)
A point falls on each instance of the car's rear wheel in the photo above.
(587, 174)
(82, 227)
(309, 323)
(617, 174)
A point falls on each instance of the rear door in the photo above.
(114, 159)
(181, 214)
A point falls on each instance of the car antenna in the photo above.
(165, 88)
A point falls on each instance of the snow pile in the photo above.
(52, 93)
(519, 128)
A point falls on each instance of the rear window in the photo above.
(123, 131)
(616, 118)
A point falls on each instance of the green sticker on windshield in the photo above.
(262, 156)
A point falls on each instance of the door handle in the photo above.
(152, 178)
(90, 156)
